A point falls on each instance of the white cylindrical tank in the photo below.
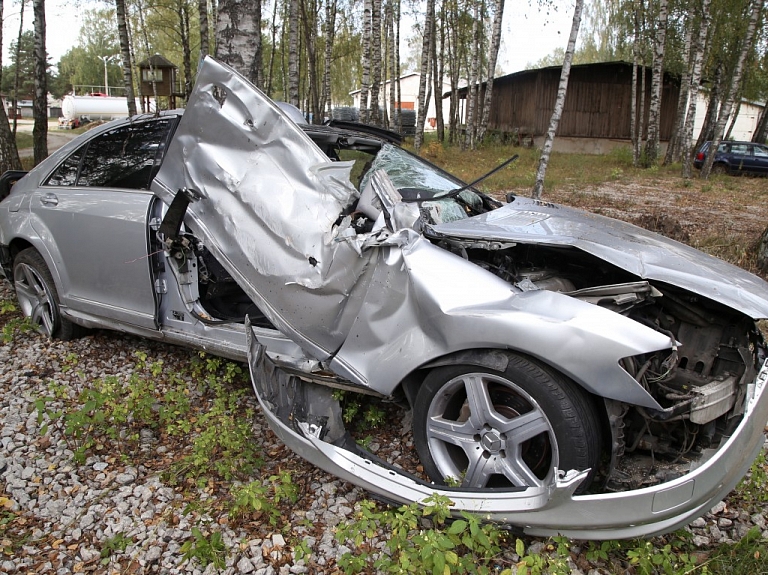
(95, 107)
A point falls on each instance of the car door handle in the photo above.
(49, 200)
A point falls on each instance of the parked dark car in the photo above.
(567, 373)
(735, 158)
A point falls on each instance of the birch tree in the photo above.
(366, 61)
(389, 18)
(202, 15)
(538, 186)
(725, 111)
(17, 68)
(376, 61)
(238, 37)
(493, 55)
(422, 102)
(673, 147)
(657, 81)
(125, 55)
(697, 55)
(469, 137)
(40, 101)
(293, 52)
(9, 154)
(633, 128)
(437, 73)
(330, 31)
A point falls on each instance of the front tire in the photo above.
(480, 428)
(37, 295)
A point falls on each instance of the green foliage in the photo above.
(650, 558)
(117, 543)
(12, 323)
(255, 497)
(466, 545)
(754, 487)
(16, 325)
(362, 410)
(111, 411)
(82, 65)
(554, 562)
(207, 549)
(747, 557)
(224, 444)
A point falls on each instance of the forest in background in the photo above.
(312, 53)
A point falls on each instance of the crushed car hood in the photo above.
(645, 254)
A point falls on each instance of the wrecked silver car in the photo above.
(567, 373)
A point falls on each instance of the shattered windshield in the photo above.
(408, 171)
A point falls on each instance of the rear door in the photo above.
(740, 157)
(93, 210)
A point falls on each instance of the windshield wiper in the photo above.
(415, 194)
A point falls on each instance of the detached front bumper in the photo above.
(303, 416)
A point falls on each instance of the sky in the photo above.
(528, 33)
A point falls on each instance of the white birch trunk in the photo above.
(657, 82)
(538, 186)
(366, 83)
(9, 154)
(293, 52)
(238, 37)
(492, 57)
(202, 14)
(422, 100)
(471, 126)
(698, 57)
(125, 55)
(673, 148)
(376, 61)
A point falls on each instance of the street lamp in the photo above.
(106, 59)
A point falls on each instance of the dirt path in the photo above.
(56, 139)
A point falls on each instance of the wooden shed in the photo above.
(597, 104)
(159, 77)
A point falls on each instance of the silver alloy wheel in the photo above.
(485, 431)
(35, 298)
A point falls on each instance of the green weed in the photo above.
(115, 544)
(466, 545)
(207, 549)
(255, 497)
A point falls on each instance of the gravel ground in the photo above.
(65, 517)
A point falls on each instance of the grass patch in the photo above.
(23, 140)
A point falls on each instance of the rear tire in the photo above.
(482, 428)
(37, 296)
(719, 169)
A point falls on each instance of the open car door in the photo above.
(264, 199)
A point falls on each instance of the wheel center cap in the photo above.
(491, 441)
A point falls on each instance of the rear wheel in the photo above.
(481, 428)
(719, 169)
(37, 295)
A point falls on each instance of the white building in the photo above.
(409, 96)
(746, 121)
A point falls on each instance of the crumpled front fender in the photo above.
(423, 303)
(310, 427)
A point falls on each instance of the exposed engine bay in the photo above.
(701, 384)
